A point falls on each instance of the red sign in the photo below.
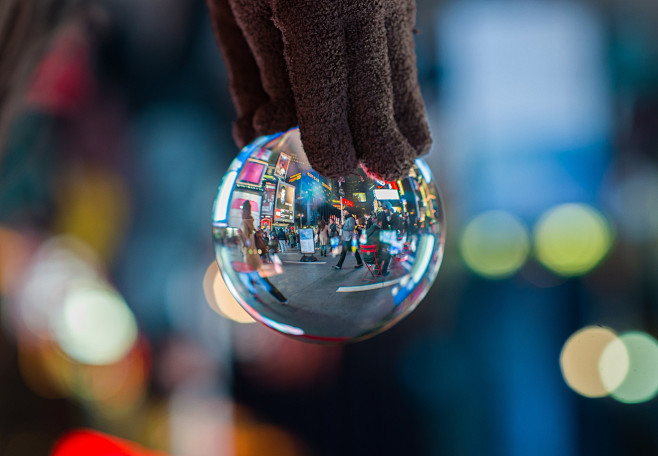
(347, 203)
(85, 442)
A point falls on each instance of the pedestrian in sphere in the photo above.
(281, 235)
(250, 255)
(323, 237)
(348, 233)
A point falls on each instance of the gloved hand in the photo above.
(343, 70)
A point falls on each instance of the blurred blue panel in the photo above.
(492, 386)
(525, 104)
(523, 338)
(176, 170)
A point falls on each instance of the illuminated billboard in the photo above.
(282, 166)
(284, 205)
(307, 244)
(360, 197)
(235, 211)
(383, 194)
(269, 195)
(251, 174)
(262, 154)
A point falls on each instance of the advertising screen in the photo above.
(386, 194)
(235, 211)
(282, 166)
(284, 205)
(262, 154)
(251, 174)
(269, 195)
(306, 241)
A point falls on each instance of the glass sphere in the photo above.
(324, 260)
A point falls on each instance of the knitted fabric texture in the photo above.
(343, 70)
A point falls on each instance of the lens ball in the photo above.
(324, 260)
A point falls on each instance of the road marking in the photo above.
(305, 262)
(372, 286)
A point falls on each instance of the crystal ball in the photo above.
(324, 260)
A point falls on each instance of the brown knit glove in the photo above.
(343, 70)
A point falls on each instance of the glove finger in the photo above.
(315, 54)
(243, 74)
(407, 98)
(381, 147)
(277, 113)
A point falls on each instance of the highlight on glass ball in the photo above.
(324, 260)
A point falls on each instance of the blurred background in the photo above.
(538, 337)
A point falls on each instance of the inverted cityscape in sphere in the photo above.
(324, 260)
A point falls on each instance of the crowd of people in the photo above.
(340, 236)
(275, 240)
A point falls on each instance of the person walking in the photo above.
(281, 235)
(348, 233)
(247, 233)
(261, 245)
(333, 227)
(323, 237)
(382, 252)
(250, 255)
(273, 243)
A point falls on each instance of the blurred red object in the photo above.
(63, 80)
(86, 442)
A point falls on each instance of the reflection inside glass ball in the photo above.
(319, 259)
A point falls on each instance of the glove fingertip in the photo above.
(274, 117)
(330, 155)
(389, 165)
(420, 138)
(243, 131)
(381, 170)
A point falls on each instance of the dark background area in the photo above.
(544, 118)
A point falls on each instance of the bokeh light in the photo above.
(571, 239)
(95, 325)
(220, 299)
(580, 357)
(613, 364)
(55, 266)
(495, 244)
(93, 207)
(641, 382)
(208, 287)
(596, 362)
